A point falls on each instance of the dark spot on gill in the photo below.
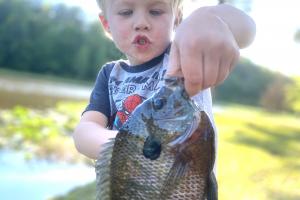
(152, 148)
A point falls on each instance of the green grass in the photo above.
(258, 155)
(87, 192)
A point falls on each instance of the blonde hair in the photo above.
(176, 4)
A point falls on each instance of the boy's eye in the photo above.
(126, 12)
(156, 12)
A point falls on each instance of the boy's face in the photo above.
(141, 29)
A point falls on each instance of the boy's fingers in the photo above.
(174, 68)
(211, 70)
(235, 59)
(224, 70)
(192, 68)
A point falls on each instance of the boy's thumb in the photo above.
(174, 67)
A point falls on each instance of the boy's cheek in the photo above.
(123, 34)
(162, 37)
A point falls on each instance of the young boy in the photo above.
(205, 47)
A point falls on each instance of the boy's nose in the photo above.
(142, 23)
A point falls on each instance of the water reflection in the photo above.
(39, 180)
(38, 93)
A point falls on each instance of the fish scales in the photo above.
(163, 151)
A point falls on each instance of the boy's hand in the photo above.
(204, 51)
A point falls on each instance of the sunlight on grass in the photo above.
(258, 154)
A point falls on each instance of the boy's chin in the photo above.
(140, 59)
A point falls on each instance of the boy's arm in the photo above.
(91, 133)
(206, 45)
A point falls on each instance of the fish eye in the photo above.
(158, 103)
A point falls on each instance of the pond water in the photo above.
(38, 93)
(39, 180)
(36, 179)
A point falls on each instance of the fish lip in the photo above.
(170, 119)
(188, 133)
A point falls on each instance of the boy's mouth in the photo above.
(141, 40)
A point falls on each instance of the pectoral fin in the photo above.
(179, 170)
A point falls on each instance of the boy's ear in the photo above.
(104, 23)
(178, 19)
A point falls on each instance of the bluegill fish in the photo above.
(165, 150)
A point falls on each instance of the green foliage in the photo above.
(51, 40)
(41, 133)
(87, 192)
(253, 85)
(244, 5)
(297, 36)
(282, 94)
(246, 84)
(274, 97)
(292, 97)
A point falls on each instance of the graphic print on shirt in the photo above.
(132, 83)
(128, 105)
(130, 90)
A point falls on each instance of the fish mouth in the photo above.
(179, 116)
(187, 133)
(170, 119)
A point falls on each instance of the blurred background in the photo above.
(50, 53)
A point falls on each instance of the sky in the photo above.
(276, 23)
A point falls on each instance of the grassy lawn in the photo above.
(258, 156)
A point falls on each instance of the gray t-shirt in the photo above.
(119, 88)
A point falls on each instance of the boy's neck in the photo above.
(154, 59)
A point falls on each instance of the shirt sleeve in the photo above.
(99, 99)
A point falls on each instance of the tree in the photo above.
(297, 36)
(274, 97)
(246, 84)
(242, 4)
(52, 40)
